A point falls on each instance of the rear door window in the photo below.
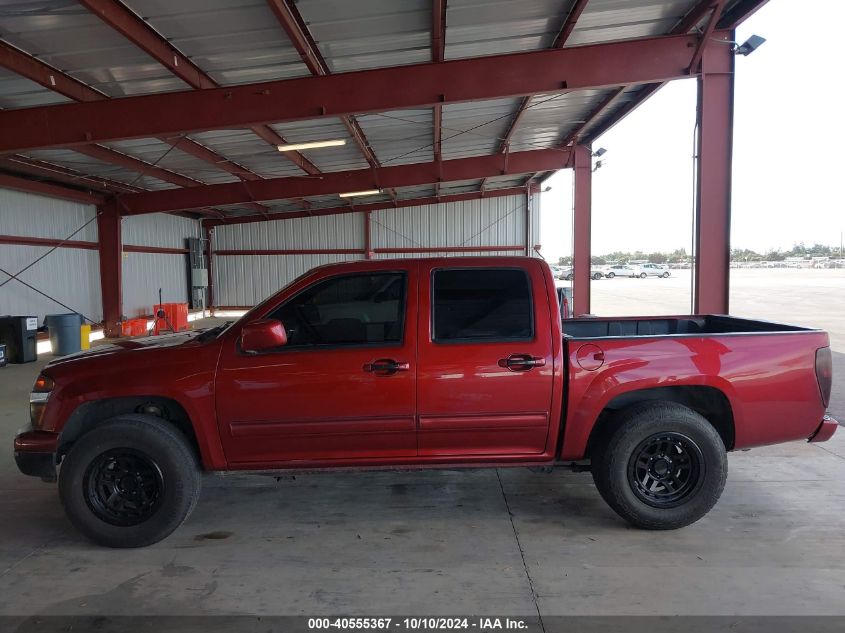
(481, 304)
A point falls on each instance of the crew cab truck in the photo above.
(421, 363)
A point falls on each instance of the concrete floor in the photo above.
(510, 542)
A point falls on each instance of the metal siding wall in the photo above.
(244, 280)
(483, 222)
(145, 273)
(71, 275)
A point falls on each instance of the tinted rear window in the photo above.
(481, 304)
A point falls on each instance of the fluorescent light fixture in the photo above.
(292, 147)
(354, 194)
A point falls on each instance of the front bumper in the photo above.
(826, 429)
(35, 453)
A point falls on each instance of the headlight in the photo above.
(38, 399)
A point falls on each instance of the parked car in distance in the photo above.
(651, 270)
(619, 270)
(567, 274)
(446, 362)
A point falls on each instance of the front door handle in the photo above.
(522, 362)
(386, 367)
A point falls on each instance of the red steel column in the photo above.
(582, 219)
(713, 189)
(111, 264)
(368, 248)
(208, 232)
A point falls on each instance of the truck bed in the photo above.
(589, 327)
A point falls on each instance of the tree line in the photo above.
(680, 255)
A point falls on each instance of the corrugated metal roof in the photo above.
(94, 167)
(18, 92)
(234, 41)
(70, 38)
(238, 41)
(369, 33)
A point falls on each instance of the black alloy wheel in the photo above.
(123, 486)
(666, 469)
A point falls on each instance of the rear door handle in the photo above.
(522, 362)
(386, 367)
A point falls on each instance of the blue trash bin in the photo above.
(64, 332)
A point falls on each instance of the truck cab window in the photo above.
(473, 304)
(362, 309)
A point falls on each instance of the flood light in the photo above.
(751, 44)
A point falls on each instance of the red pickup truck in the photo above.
(421, 363)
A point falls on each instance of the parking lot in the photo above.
(507, 541)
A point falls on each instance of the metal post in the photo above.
(368, 249)
(111, 264)
(528, 220)
(582, 218)
(209, 252)
(711, 275)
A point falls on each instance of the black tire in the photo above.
(568, 277)
(164, 481)
(624, 460)
(596, 276)
(611, 275)
(643, 275)
(665, 275)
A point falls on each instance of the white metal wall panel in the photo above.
(71, 275)
(145, 273)
(485, 222)
(320, 232)
(245, 280)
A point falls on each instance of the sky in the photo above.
(788, 163)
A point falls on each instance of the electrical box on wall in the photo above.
(199, 277)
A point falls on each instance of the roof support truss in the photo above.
(649, 60)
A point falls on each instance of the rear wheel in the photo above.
(663, 468)
(129, 482)
(596, 276)
(665, 275)
(611, 275)
(643, 275)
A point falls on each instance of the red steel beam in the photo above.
(17, 240)
(713, 191)
(438, 54)
(111, 265)
(560, 41)
(581, 231)
(694, 65)
(64, 175)
(108, 155)
(684, 26)
(35, 70)
(297, 187)
(740, 12)
(123, 20)
(8, 181)
(648, 60)
(297, 31)
(376, 206)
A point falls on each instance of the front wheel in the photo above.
(643, 275)
(611, 275)
(129, 482)
(665, 275)
(663, 468)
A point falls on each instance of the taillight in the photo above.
(824, 372)
(38, 399)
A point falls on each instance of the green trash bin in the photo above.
(64, 332)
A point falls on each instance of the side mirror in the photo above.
(263, 335)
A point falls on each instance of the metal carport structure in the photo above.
(437, 101)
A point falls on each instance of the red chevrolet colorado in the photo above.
(421, 363)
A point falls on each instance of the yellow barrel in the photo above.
(85, 336)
